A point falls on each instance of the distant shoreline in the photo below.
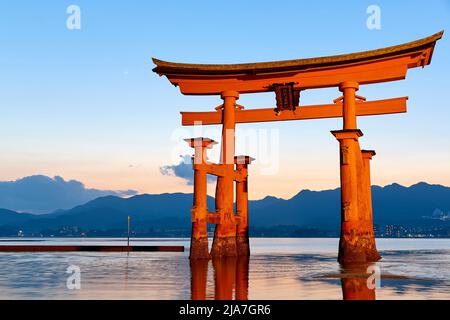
(163, 238)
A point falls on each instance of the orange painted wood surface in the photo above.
(368, 108)
(374, 66)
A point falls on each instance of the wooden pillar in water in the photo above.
(372, 252)
(199, 212)
(242, 236)
(224, 243)
(355, 244)
(349, 242)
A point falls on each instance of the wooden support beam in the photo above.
(363, 108)
(218, 170)
(214, 218)
(215, 169)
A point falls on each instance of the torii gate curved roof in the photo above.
(386, 64)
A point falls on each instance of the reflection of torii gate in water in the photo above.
(288, 79)
(232, 274)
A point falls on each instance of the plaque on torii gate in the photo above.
(287, 79)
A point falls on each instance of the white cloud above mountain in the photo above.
(41, 194)
(183, 170)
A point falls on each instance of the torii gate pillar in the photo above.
(350, 249)
(372, 252)
(357, 241)
(243, 245)
(224, 243)
(199, 212)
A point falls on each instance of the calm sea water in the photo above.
(278, 269)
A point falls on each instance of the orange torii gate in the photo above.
(287, 79)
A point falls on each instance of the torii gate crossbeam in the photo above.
(369, 108)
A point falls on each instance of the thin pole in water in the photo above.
(128, 243)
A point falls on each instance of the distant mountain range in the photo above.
(421, 205)
(42, 194)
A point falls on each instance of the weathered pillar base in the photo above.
(243, 246)
(356, 247)
(224, 247)
(372, 254)
(224, 243)
(199, 249)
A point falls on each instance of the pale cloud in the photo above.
(42, 194)
(182, 170)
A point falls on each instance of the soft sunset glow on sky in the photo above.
(84, 104)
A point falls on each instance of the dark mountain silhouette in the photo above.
(419, 205)
(8, 217)
(307, 208)
(41, 194)
(412, 206)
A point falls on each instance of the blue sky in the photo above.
(84, 104)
